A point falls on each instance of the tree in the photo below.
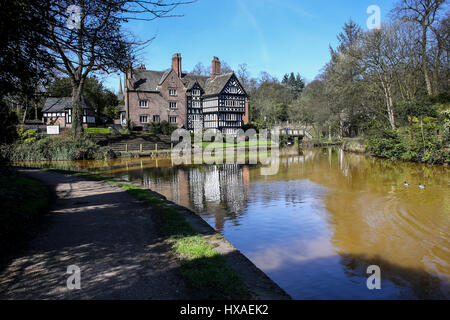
(199, 69)
(25, 63)
(379, 56)
(23, 57)
(243, 75)
(225, 68)
(88, 37)
(426, 14)
(342, 76)
(294, 82)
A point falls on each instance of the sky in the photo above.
(275, 36)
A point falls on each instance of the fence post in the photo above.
(156, 148)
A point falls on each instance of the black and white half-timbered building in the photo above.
(192, 101)
(219, 104)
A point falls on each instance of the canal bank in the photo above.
(129, 243)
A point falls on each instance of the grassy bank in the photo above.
(203, 268)
(22, 201)
(34, 147)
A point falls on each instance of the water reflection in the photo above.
(316, 225)
(217, 192)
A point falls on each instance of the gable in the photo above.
(196, 86)
(170, 79)
(233, 87)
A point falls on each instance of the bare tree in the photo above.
(88, 36)
(426, 14)
(380, 59)
(441, 36)
(199, 69)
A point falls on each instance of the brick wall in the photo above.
(158, 103)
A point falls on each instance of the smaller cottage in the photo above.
(58, 112)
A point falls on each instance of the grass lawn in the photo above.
(22, 201)
(104, 131)
(240, 144)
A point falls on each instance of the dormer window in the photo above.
(143, 103)
(172, 92)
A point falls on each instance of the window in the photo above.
(233, 90)
(156, 118)
(172, 105)
(173, 92)
(143, 119)
(195, 92)
(143, 103)
(172, 119)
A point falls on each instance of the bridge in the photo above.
(293, 131)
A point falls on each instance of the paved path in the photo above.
(104, 231)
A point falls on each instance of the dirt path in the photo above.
(104, 231)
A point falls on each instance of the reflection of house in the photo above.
(58, 111)
(186, 100)
(221, 191)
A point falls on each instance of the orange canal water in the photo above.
(316, 225)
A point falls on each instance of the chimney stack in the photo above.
(176, 64)
(215, 67)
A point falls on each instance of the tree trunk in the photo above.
(389, 101)
(423, 135)
(437, 66)
(425, 60)
(77, 111)
(411, 127)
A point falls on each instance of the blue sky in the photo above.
(276, 36)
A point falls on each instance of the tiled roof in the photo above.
(216, 85)
(190, 79)
(149, 80)
(60, 104)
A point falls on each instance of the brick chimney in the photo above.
(176, 64)
(215, 67)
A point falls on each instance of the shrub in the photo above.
(389, 143)
(163, 127)
(26, 136)
(62, 147)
